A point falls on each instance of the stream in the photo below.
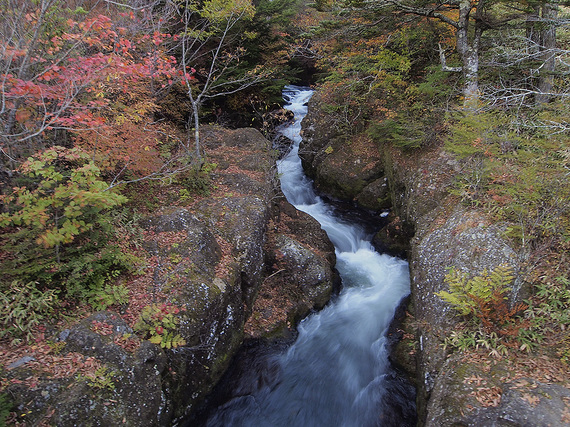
(337, 372)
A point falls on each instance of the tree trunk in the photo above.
(532, 33)
(547, 46)
(471, 75)
(469, 51)
(195, 111)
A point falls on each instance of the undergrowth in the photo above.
(5, 408)
(103, 379)
(516, 172)
(515, 168)
(159, 324)
(23, 307)
(63, 237)
(489, 320)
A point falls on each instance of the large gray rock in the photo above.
(345, 168)
(309, 271)
(467, 242)
(219, 263)
(475, 394)
(130, 387)
(300, 278)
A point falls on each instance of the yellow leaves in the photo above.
(120, 119)
(219, 11)
(156, 339)
(465, 292)
(133, 113)
(53, 208)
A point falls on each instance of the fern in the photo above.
(483, 301)
(101, 299)
(469, 296)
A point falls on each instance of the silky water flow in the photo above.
(337, 372)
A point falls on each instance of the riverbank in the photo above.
(454, 386)
(204, 258)
(337, 370)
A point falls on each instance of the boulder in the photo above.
(476, 393)
(126, 386)
(300, 273)
(344, 168)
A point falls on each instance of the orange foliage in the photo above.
(129, 140)
(96, 79)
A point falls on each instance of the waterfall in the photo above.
(337, 372)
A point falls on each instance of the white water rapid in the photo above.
(337, 372)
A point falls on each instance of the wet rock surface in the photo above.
(214, 260)
(350, 169)
(431, 227)
(300, 273)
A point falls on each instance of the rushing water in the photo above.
(337, 372)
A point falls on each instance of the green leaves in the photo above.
(57, 227)
(101, 299)
(67, 195)
(226, 10)
(517, 172)
(490, 321)
(553, 300)
(102, 379)
(23, 307)
(465, 293)
(159, 323)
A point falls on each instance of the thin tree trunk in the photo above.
(195, 111)
(532, 33)
(469, 52)
(547, 46)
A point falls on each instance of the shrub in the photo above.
(101, 299)
(159, 323)
(63, 198)
(553, 300)
(23, 308)
(513, 170)
(57, 231)
(483, 302)
(197, 180)
(5, 408)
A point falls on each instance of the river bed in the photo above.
(337, 372)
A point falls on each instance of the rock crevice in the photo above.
(240, 253)
(439, 234)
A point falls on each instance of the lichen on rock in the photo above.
(206, 262)
(442, 234)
